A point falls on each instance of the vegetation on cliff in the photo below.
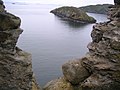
(73, 14)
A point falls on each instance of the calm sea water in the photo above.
(51, 41)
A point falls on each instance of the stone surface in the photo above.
(117, 2)
(73, 14)
(15, 64)
(58, 84)
(9, 21)
(74, 72)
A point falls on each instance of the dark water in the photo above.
(51, 41)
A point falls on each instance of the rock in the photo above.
(73, 14)
(99, 8)
(35, 86)
(9, 21)
(58, 84)
(16, 72)
(117, 2)
(74, 72)
(15, 64)
(8, 40)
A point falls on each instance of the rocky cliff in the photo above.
(100, 68)
(15, 64)
(73, 14)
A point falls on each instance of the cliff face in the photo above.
(15, 65)
(100, 68)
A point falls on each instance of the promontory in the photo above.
(73, 14)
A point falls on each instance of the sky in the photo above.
(66, 2)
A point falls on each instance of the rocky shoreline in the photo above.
(73, 14)
(98, 9)
(100, 68)
(15, 64)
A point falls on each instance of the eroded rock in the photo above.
(58, 84)
(15, 64)
(74, 72)
(102, 61)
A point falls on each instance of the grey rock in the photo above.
(9, 21)
(15, 64)
(58, 84)
(8, 40)
(74, 72)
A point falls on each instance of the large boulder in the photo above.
(73, 14)
(74, 72)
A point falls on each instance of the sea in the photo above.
(51, 41)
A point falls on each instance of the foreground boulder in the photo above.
(73, 14)
(100, 68)
(15, 64)
(74, 72)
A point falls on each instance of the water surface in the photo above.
(51, 41)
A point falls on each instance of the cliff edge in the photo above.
(100, 68)
(15, 64)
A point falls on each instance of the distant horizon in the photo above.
(64, 2)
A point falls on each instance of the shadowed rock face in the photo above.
(117, 2)
(15, 65)
(73, 14)
(100, 68)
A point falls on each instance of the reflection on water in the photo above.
(51, 41)
(71, 24)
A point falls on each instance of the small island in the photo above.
(73, 14)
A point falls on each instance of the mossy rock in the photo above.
(73, 14)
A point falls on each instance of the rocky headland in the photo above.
(98, 9)
(100, 68)
(73, 14)
(15, 64)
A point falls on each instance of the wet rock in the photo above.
(73, 14)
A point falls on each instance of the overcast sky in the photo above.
(66, 2)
